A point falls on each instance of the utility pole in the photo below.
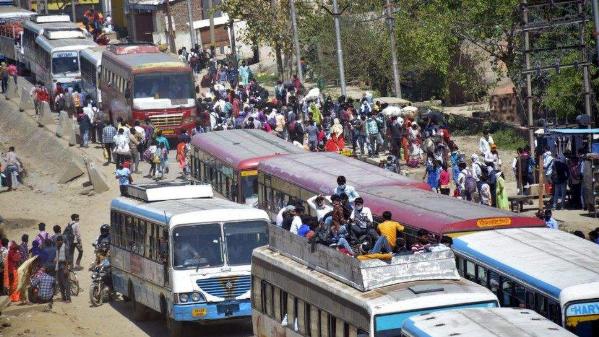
(585, 68)
(171, 36)
(595, 4)
(296, 45)
(212, 33)
(393, 39)
(531, 134)
(192, 31)
(73, 11)
(233, 39)
(339, 49)
(45, 7)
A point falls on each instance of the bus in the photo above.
(57, 61)
(302, 291)
(11, 32)
(302, 176)
(138, 82)
(59, 27)
(440, 215)
(498, 322)
(91, 59)
(552, 272)
(229, 160)
(179, 251)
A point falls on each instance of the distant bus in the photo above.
(295, 297)
(302, 176)
(552, 272)
(499, 322)
(91, 60)
(138, 82)
(11, 32)
(57, 61)
(180, 252)
(229, 160)
(441, 215)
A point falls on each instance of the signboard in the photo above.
(249, 173)
(493, 222)
(583, 309)
(64, 54)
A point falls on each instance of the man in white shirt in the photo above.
(279, 219)
(485, 142)
(362, 216)
(297, 219)
(318, 205)
(349, 190)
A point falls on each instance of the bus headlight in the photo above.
(183, 298)
(197, 297)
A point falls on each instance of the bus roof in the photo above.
(550, 260)
(495, 322)
(64, 44)
(140, 61)
(12, 12)
(334, 296)
(243, 149)
(440, 214)
(39, 28)
(318, 172)
(185, 211)
(93, 54)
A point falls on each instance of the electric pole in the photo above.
(296, 44)
(171, 36)
(73, 11)
(336, 15)
(596, 21)
(529, 110)
(212, 33)
(392, 38)
(233, 39)
(192, 31)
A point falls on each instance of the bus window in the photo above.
(150, 241)
(276, 299)
(314, 321)
(494, 282)
(481, 275)
(470, 273)
(541, 304)
(530, 300)
(324, 324)
(300, 310)
(520, 294)
(267, 299)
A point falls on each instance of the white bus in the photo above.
(552, 272)
(91, 60)
(57, 61)
(499, 322)
(322, 293)
(188, 257)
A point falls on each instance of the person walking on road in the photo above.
(108, 133)
(72, 237)
(123, 175)
(85, 125)
(62, 269)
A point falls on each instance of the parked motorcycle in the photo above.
(101, 286)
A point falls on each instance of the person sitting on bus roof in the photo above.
(387, 242)
(349, 190)
(318, 205)
(297, 220)
(422, 244)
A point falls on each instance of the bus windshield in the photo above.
(583, 318)
(65, 62)
(389, 325)
(242, 238)
(163, 86)
(197, 246)
(249, 186)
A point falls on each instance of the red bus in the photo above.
(138, 81)
(439, 214)
(11, 32)
(229, 160)
(302, 176)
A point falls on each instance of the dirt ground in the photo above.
(41, 199)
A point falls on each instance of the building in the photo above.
(503, 103)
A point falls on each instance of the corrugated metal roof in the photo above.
(496, 322)
(238, 146)
(318, 172)
(548, 259)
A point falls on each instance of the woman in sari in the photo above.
(502, 201)
(11, 277)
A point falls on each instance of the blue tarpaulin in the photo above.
(573, 131)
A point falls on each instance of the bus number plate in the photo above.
(197, 312)
(168, 132)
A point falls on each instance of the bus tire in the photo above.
(175, 328)
(138, 310)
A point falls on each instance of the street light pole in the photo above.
(595, 4)
(392, 38)
(192, 31)
(296, 45)
(339, 49)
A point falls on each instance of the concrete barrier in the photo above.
(26, 102)
(96, 178)
(11, 90)
(22, 130)
(64, 125)
(45, 117)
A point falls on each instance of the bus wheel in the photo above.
(139, 310)
(175, 328)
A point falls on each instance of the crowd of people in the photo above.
(48, 260)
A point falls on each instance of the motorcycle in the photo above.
(101, 286)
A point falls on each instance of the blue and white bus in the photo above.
(180, 252)
(552, 272)
(497, 322)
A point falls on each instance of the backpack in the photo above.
(470, 183)
(484, 173)
(147, 156)
(68, 233)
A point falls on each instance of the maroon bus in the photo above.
(229, 160)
